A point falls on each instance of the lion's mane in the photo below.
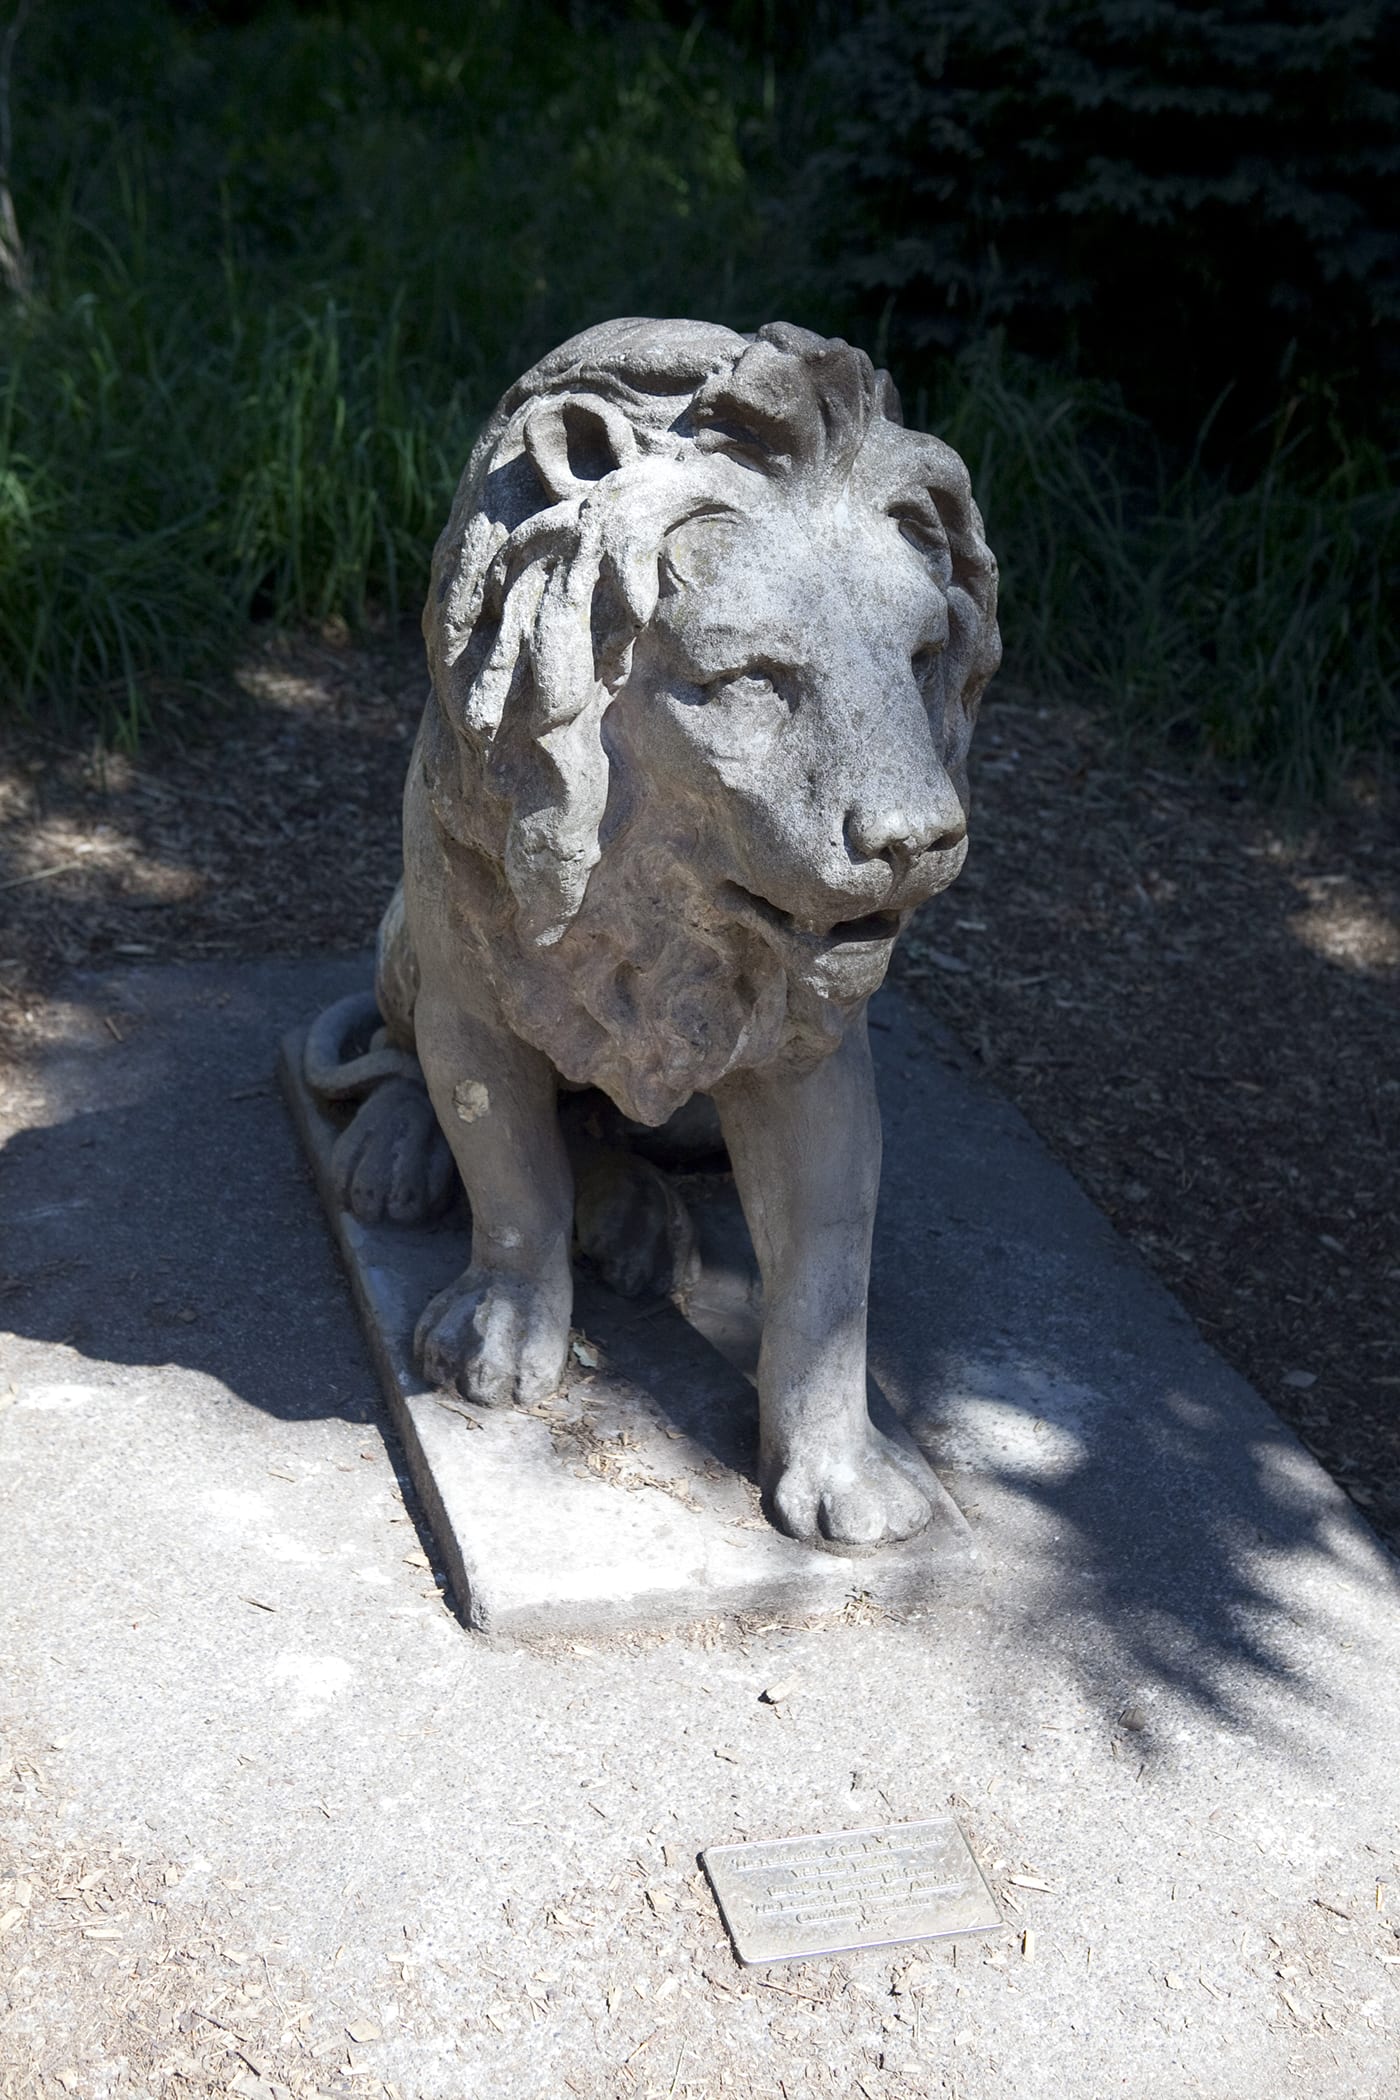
(546, 573)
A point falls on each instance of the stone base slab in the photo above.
(629, 1499)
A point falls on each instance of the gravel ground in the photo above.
(1194, 1001)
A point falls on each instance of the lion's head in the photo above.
(708, 629)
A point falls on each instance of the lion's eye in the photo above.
(740, 685)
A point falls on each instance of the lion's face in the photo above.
(779, 695)
(708, 630)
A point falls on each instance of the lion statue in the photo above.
(707, 632)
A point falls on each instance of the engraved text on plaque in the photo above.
(852, 1888)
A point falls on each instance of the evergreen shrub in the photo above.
(1190, 200)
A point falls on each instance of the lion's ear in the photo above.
(574, 441)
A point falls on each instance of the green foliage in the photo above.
(1177, 197)
(283, 271)
(1257, 624)
(283, 268)
(339, 465)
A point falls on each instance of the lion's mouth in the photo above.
(871, 926)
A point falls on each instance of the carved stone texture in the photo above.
(707, 632)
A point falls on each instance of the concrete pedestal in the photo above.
(630, 1499)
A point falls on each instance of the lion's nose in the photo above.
(901, 836)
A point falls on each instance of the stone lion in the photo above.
(707, 633)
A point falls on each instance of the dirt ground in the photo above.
(1194, 1001)
(180, 1998)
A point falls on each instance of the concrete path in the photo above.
(274, 1822)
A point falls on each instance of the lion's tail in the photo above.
(391, 1161)
(343, 1061)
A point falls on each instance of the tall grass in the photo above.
(282, 271)
(339, 465)
(160, 481)
(1257, 624)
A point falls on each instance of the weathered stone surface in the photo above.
(629, 1497)
(707, 630)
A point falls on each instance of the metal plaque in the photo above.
(832, 1894)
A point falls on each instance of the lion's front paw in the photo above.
(848, 1502)
(495, 1339)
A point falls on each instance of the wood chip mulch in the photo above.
(129, 1972)
(1195, 1001)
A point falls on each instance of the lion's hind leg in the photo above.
(396, 974)
(630, 1224)
(391, 1160)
